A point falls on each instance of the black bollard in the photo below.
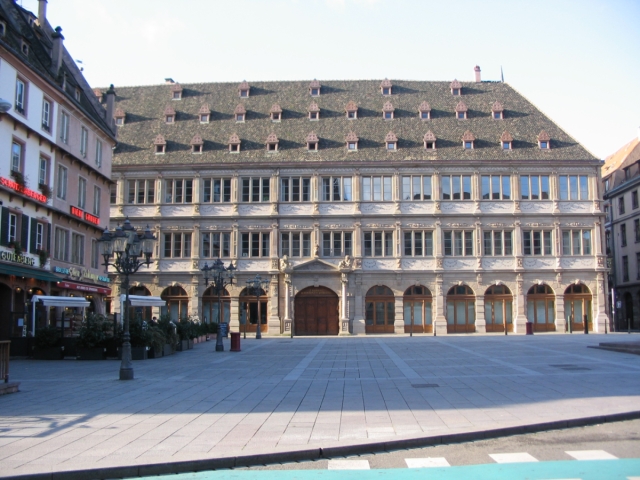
(585, 322)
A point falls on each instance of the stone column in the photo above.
(436, 191)
(560, 320)
(195, 245)
(601, 320)
(358, 318)
(234, 313)
(287, 303)
(398, 323)
(519, 300)
(160, 188)
(357, 240)
(481, 322)
(195, 302)
(196, 194)
(344, 319)
(273, 321)
(439, 320)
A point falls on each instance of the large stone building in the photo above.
(621, 181)
(56, 140)
(371, 206)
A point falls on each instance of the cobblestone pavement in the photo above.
(282, 394)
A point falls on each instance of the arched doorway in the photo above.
(498, 308)
(417, 310)
(461, 310)
(316, 312)
(5, 306)
(626, 322)
(142, 312)
(210, 307)
(577, 304)
(249, 311)
(177, 302)
(541, 308)
(380, 311)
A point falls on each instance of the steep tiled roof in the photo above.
(144, 106)
(623, 158)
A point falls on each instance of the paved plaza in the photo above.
(289, 395)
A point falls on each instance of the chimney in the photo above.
(477, 70)
(111, 99)
(42, 12)
(58, 49)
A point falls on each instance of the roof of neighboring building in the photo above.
(22, 25)
(627, 155)
(144, 107)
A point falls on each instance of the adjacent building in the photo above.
(57, 140)
(370, 206)
(621, 181)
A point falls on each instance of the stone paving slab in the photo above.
(282, 395)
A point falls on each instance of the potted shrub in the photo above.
(45, 189)
(169, 329)
(92, 338)
(17, 247)
(157, 340)
(43, 256)
(140, 338)
(47, 344)
(184, 332)
(19, 178)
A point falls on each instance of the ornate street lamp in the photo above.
(126, 250)
(257, 285)
(221, 278)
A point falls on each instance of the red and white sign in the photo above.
(85, 288)
(23, 190)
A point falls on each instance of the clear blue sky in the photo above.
(578, 61)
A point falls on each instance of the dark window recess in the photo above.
(4, 227)
(32, 240)
(24, 237)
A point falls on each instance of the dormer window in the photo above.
(160, 145)
(391, 142)
(314, 111)
(425, 111)
(196, 144)
(387, 111)
(544, 140)
(243, 90)
(505, 141)
(386, 86)
(497, 111)
(77, 94)
(312, 142)
(352, 110)
(204, 113)
(456, 88)
(429, 141)
(234, 144)
(119, 117)
(461, 111)
(276, 113)
(24, 48)
(169, 115)
(240, 113)
(314, 88)
(468, 140)
(352, 142)
(176, 92)
(272, 143)
(3, 29)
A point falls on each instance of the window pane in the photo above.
(526, 237)
(535, 187)
(406, 188)
(486, 179)
(506, 187)
(326, 244)
(495, 188)
(466, 187)
(564, 187)
(447, 243)
(407, 244)
(487, 243)
(468, 243)
(456, 187)
(524, 187)
(446, 187)
(377, 188)
(346, 182)
(576, 242)
(584, 188)
(418, 243)
(426, 188)
(387, 189)
(497, 243)
(544, 187)
(573, 187)
(336, 189)
(547, 243)
(416, 188)
(586, 242)
(566, 243)
(428, 243)
(388, 244)
(458, 243)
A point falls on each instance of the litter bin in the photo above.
(235, 341)
(529, 328)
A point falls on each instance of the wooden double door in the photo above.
(316, 312)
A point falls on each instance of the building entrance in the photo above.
(316, 312)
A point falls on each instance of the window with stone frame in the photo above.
(337, 244)
(20, 105)
(534, 187)
(82, 192)
(352, 110)
(625, 268)
(537, 242)
(84, 141)
(61, 190)
(314, 111)
(254, 244)
(97, 193)
(113, 193)
(61, 244)
(98, 153)
(17, 155)
(544, 140)
(497, 242)
(295, 189)
(496, 187)
(621, 207)
(216, 190)
(77, 248)
(576, 242)
(429, 141)
(204, 113)
(424, 111)
(255, 189)
(141, 191)
(634, 199)
(418, 243)
(95, 254)
(178, 190)
(455, 187)
(13, 226)
(295, 244)
(506, 141)
(461, 111)
(636, 229)
(638, 266)
(47, 111)
(458, 243)
(377, 188)
(43, 170)
(64, 127)
(378, 244)
(336, 189)
(314, 88)
(276, 113)
(497, 111)
(216, 244)
(574, 187)
(623, 234)
(416, 187)
(177, 245)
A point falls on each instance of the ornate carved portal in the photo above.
(316, 312)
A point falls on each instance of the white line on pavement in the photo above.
(305, 362)
(520, 457)
(591, 455)
(406, 370)
(349, 465)
(428, 462)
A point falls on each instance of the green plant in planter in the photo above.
(169, 329)
(17, 247)
(47, 337)
(185, 329)
(19, 178)
(157, 338)
(43, 256)
(139, 331)
(93, 332)
(46, 190)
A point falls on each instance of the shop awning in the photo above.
(71, 302)
(28, 273)
(143, 301)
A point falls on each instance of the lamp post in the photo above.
(257, 284)
(122, 250)
(222, 277)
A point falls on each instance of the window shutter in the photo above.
(4, 227)
(24, 238)
(34, 228)
(48, 227)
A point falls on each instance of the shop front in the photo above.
(81, 282)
